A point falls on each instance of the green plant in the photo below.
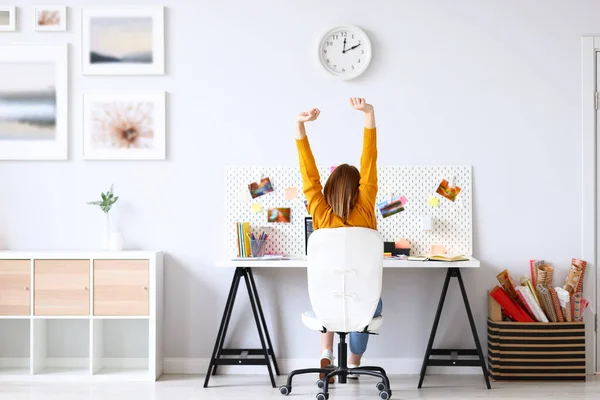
(108, 199)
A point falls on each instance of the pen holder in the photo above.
(257, 247)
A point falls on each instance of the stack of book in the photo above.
(243, 239)
(536, 299)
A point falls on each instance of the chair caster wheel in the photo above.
(285, 390)
(323, 396)
(380, 386)
(385, 394)
(320, 384)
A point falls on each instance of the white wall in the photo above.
(494, 84)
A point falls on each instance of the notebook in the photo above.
(440, 257)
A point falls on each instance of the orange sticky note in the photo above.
(291, 193)
(256, 207)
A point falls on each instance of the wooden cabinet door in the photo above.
(15, 279)
(61, 287)
(121, 287)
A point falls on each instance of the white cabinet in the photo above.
(81, 316)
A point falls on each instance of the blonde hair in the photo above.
(341, 190)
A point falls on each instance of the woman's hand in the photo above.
(308, 116)
(361, 105)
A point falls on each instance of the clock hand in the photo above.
(344, 50)
(352, 48)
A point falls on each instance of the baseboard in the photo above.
(393, 366)
(14, 362)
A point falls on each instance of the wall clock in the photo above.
(345, 51)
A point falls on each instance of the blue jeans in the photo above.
(359, 341)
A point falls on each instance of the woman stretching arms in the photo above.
(348, 199)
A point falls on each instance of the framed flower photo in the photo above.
(124, 126)
(123, 41)
(8, 18)
(50, 18)
(33, 102)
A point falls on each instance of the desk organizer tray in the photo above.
(536, 351)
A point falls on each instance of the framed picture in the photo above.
(33, 102)
(50, 18)
(124, 126)
(7, 19)
(123, 41)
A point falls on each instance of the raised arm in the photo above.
(368, 160)
(311, 181)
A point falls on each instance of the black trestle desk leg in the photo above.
(436, 322)
(224, 324)
(258, 327)
(262, 318)
(228, 311)
(473, 328)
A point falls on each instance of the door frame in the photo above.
(590, 46)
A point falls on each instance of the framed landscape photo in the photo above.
(124, 126)
(50, 18)
(123, 41)
(33, 102)
(7, 18)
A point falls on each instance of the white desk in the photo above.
(243, 269)
(300, 262)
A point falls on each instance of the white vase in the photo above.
(106, 232)
(116, 241)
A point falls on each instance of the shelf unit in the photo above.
(78, 316)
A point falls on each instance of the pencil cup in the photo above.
(257, 247)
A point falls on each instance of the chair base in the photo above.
(342, 372)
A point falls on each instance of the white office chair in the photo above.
(344, 284)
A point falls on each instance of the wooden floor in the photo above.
(244, 387)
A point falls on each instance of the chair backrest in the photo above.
(344, 276)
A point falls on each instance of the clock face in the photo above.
(345, 52)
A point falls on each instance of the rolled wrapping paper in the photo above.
(556, 305)
(582, 264)
(549, 274)
(564, 302)
(567, 312)
(508, 284)
(572, 280)
(527, 282)
(540, 277)
(576, 300)
(546, 299)
(534, 307)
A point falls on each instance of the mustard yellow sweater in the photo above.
(363, 213)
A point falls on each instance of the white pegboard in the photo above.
(452, 221)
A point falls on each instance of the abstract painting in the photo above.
(123, 41)
(27, 101)
(124, 126)
(33, 102)
(50, 18)
(7, 18)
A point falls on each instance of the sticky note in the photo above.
(256, 207)
(291, 193)
(332, 168)
(433, 201)
(403, 200)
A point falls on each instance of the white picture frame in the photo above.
(124, 126)
(34, 95)
(9, 23)
(103, 53)
(45, 19)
